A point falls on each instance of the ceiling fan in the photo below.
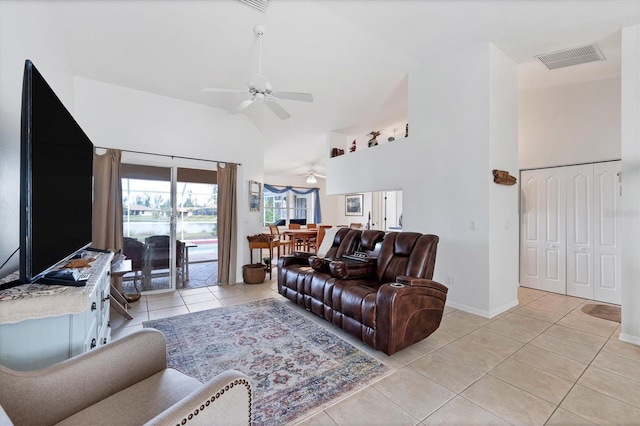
(260, 90)
(312, 175)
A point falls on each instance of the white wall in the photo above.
(561, 125)
(629, 217)
(463, 123)
(462, 112)
(26, 32)
(503, 200)
(123, 118)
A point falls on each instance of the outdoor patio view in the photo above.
(147, 211)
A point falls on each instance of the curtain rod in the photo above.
(167, 155)
(294, 186)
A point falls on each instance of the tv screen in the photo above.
(56, 182)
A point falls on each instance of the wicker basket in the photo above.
(253, 273)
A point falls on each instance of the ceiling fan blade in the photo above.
(259, 82)
(218, 90)
(242, 106)
(320, 176)
(277, 109)
(295, 96)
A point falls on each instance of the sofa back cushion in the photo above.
(406, 253)
(344, 242)
(371, 242)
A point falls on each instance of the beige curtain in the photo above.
(227, 223)
(107, 200)
(107, 203)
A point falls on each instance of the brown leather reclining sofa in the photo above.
(387, 299)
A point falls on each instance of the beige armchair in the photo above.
(124, 382)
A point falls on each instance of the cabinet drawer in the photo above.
(91, 340)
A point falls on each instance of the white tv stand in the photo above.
(41, 325)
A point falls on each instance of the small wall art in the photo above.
(353, 204)
(255, 195)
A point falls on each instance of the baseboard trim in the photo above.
(630, 339)
(483, 313)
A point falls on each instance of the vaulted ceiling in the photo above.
(352, 55)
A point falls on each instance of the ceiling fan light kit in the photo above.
(261, 91)
(312, 175)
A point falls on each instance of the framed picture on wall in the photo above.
(353, 204)
(255, 189)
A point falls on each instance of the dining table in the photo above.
(304, 235)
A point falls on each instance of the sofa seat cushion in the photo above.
(359, 303)
(139, 403)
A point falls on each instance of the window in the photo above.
(287, 207)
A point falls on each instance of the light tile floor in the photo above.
(542, 362)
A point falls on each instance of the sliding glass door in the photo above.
(197, 227)
(170, 227)
(147, 222)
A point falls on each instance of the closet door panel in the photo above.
(606, 245)
(531, 185)
(543, 239)
(579, 230)
(554, 227)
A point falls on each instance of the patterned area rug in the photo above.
(295, 365)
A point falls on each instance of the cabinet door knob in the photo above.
(93, 343)
(93, 306)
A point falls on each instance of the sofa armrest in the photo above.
(297, 258)
(320, 264)
(225, 399)
(347, 270)
(421, 282)
(406, 314)
(86, 379)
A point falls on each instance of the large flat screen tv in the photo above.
(56, 180)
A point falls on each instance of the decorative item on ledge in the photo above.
(373, 141)
(253, 273)
(336, 152)
(503, 177)
(353, 146)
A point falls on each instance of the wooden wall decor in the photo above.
(503, 177)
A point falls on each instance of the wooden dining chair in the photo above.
(297, 242)
(279, 240)
(312, 226)
(314, 243)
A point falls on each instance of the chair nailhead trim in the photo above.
(218, 395)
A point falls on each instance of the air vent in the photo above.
(260, 5)
(570, 57)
